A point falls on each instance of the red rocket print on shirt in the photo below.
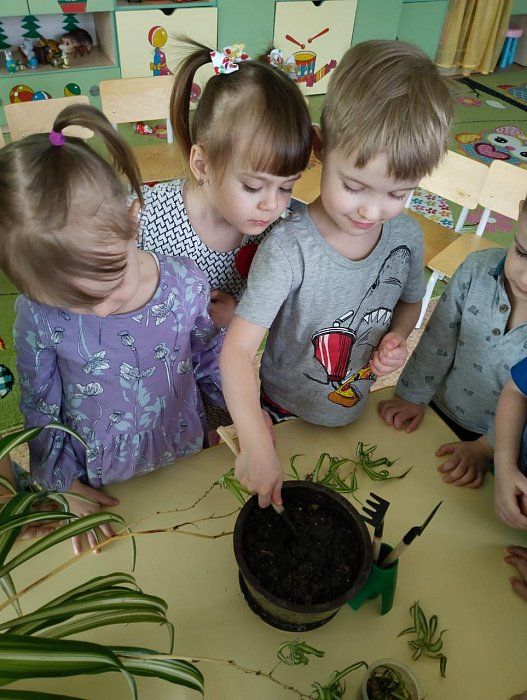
(334, 346)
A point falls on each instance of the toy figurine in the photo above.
(44, 50)
(28, 54)
(77, 42)
(142, 129)
(9, 61)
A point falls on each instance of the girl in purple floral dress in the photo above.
(113, 341)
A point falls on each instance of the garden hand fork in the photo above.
(375, 516)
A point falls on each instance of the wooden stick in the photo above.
(290, 38)
(324, 31)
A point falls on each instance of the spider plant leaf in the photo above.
(435, 646)
(20, 437)
(408, 630)
(433, 625)
(20, 521)
(442, 665)
(96, 602)
(77, 527)
(137, 661)
(107, 618)
(7, 585)
(7, 485)
(99, 583)
(7, 694)
(34, 657)
(295, 471)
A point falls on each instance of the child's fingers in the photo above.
(77, 544)
(92, 542)
(107, 530)
(520, 564)
(446, 449)
(414, 423)
(106, 500)
(277, 494)
(471, 478)
(264, 497)
(518, 551)
(452, 471)
(520, 587)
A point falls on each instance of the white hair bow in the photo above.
(226, 61)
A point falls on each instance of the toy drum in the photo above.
(305, 64)
(333, 349)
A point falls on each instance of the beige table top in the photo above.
(456, 570)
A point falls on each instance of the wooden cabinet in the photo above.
(148, 38)
(314, 37)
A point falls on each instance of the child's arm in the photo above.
(257, 466)
(510, 484)
(430, 361)
(392, 351)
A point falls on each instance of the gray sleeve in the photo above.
(435, 352)
(414, 288)
(268, 285)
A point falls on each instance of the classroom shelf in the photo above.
(96, 59)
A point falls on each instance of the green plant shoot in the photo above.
(427, 642)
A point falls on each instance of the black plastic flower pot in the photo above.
(299, 583)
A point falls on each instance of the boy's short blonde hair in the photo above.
(388, 97)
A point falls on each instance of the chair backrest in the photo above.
(136, 99)
(504, 189)
(458, 179)
(37, 117)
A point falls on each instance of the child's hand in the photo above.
(401, 414)
(81, 508)
(390, 354)
(468, 463)
(259, 470)
(222, 308)
(510, 492)
(517, 556)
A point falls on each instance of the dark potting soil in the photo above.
(318, 566)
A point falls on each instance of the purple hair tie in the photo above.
(57, 138)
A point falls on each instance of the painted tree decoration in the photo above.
(32, 27)
(3, 38)
(70, 22)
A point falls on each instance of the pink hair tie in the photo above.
(57, 138)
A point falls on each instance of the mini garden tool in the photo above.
(410, 536)
(374, 515)
(231, 444)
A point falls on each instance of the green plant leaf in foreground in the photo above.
(7, 694)
(33, 657)
(9, 442)
(139, 662)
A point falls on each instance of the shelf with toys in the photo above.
(56, 55)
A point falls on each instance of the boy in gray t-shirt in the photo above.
(339, 284)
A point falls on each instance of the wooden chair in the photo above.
(37, 117)
(145, 99)
(504, 188)
(307, 187)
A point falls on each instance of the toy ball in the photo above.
(157, 36)
(7, 381)
(21, 93)
(41, 95)
(71, 89)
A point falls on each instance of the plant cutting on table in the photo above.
(426, 643)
